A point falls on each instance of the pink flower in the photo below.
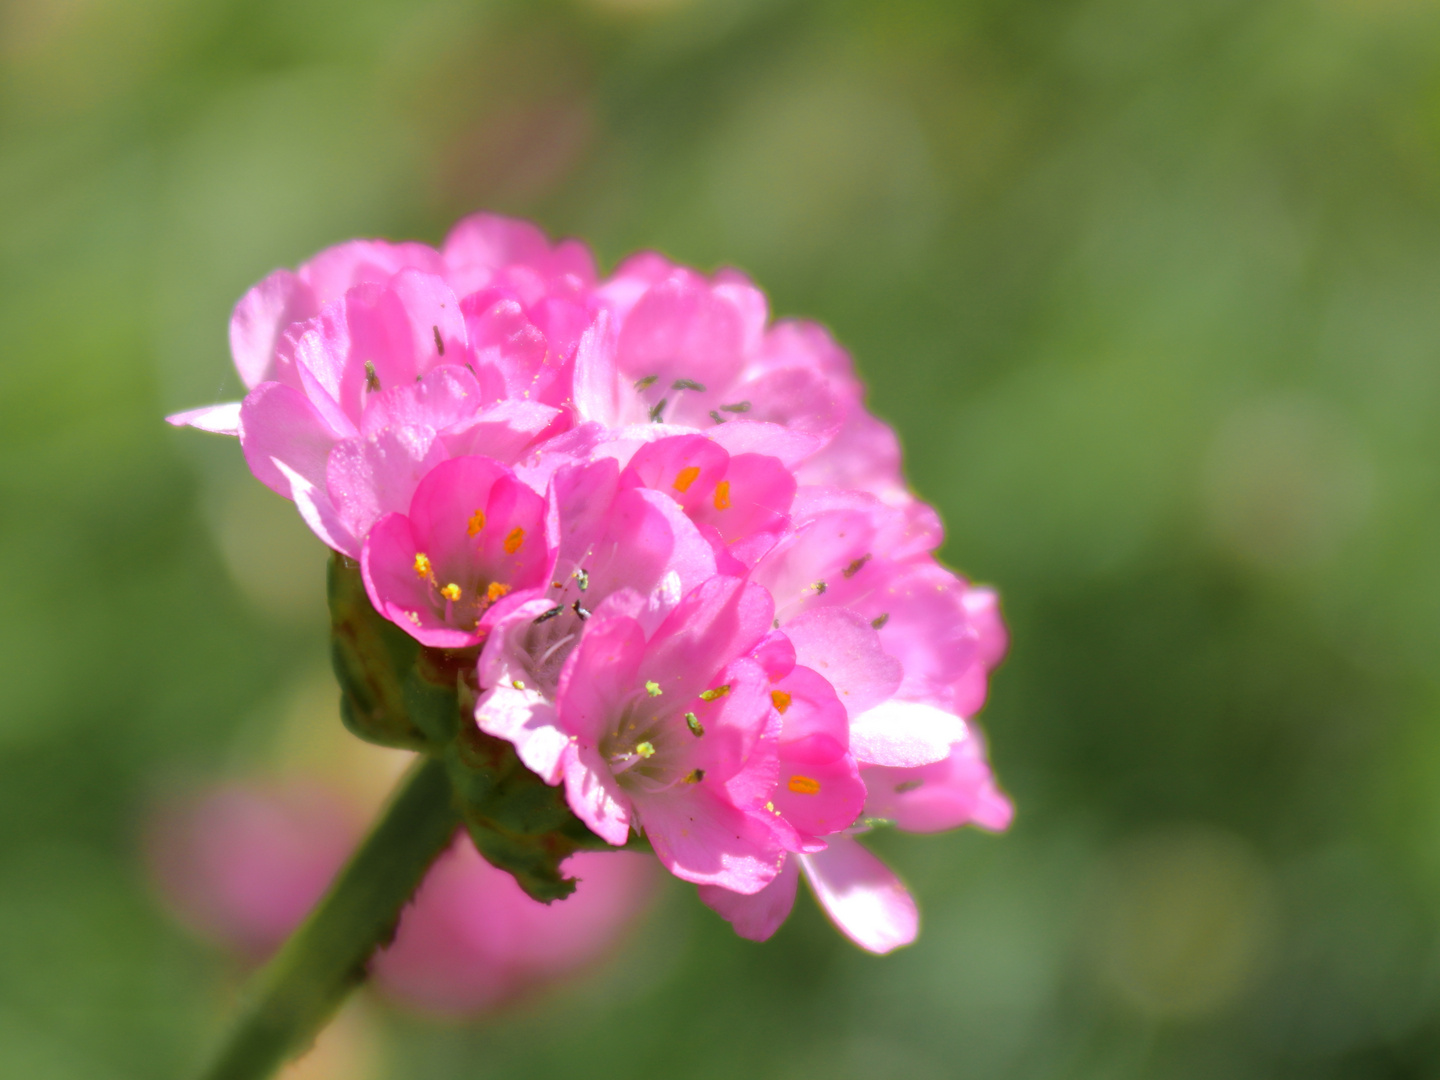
(244, 863)
(674, 734)
(472, 939)
(474, 533)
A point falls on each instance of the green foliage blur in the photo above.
(1151, 290)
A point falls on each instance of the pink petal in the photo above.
(525, 719)
(504, 431)
(755, 437)
(387, 563)
(445, 397)
(756, 917)
(820, 791)
(595, 797)
(281, 427)
(723, 618)
(599, 675)
(481, 245)
(843, 647)
(369, 477)
(904, 734)
(956, 791)
(220, 419)
(864, 899)
(699, 837)
(260, 317)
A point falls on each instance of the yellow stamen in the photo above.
(804, 785)
(514, 540)
(722, 495)
(781, 700)
(422, 564)
(687, 477)
(477, 522)
(645, 749)
(718, 692)
(496, 591)
(517, 684)
(451, 592)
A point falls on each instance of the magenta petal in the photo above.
(820, 791)
(864, 899)
(599, 675)
(904, 734)
(220, 419)
(756, 917)
(725, 617)
(843, 647)
(387, 563)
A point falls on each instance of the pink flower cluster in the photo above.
(704, 600)
(243, 863)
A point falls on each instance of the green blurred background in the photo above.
(1151, 290)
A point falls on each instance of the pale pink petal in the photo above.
(281, 427)
(700, 837)
(595, 797)
(523, 717)
(903, 734)
(504, 431)
(220, 419)
(756, 917)
(862, 896)
(956, 791)
(843, 647)
(757, 437)
(725, 617)
(481, 245)
(369, 477)
(260, 317)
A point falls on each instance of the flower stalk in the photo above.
(299, 991)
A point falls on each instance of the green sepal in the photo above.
(369, 654)
(397, 692)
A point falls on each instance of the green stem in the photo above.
(298, 992)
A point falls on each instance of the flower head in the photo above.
(696, 594)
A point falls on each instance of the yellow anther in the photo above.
(804, 785)
(687, 477)
(722, 495)
(496, 591)
(781, 700)
(477, 522)
(645, 749)
(653, 688)
(695, 776)
(514, 540)
(422, 564)
(451, 592)
(718, 692)
(517, 684)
